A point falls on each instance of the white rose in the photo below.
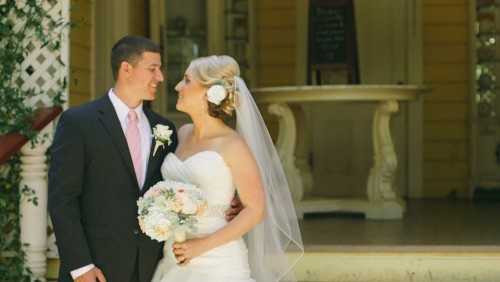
(216, 93)
(188, 207)
(157, 226)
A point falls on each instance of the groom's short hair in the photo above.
(130, 49)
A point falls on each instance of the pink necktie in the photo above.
(134, 144)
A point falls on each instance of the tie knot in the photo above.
(132, 115)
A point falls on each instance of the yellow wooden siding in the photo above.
(446, 170)
(444, 2)
(80, 53)
(80, 11)
(80, 82)
(78, 99)
(277, 37)
(276, 40)
(443, 188)
(446, 111)
(454, 14)
(277, 75)
(445, 34)
(139, 19)
(277, 18)
(276, 55)
(82, 34)
(457, 91)
(444, 131)
(445, 72)
(446, 53)
(275, 4)
(446, 150)
(80, 57)
(446, 108)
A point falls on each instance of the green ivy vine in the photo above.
(36, 25)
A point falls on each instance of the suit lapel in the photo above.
(109, 120)
(152, 160)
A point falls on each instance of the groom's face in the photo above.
(145, 76)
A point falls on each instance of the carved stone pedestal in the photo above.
(285, 102)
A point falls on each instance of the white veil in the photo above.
(279, 232)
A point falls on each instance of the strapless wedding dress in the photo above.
(229, 262)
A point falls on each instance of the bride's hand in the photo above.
(185, 251)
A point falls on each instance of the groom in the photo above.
(102, 162)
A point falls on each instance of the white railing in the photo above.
(33, 202)
(33, 221)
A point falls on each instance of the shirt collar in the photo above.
(122, 109)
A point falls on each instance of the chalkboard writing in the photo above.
(332, 40)
(328, 37)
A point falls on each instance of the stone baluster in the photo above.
(285, 146)
(33, 221)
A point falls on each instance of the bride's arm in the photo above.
(250, 189)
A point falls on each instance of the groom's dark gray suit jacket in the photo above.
(93, 192)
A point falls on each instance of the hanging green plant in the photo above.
(12, 267)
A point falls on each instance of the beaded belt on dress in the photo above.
(218, 210)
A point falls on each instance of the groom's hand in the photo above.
(91, 276)
(234, 210)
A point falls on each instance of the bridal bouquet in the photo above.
(170, 207)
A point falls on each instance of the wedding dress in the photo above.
(270, 250)
(208, 171)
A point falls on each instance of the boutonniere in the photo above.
(161, 134)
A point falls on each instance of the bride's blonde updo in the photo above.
(219, 70)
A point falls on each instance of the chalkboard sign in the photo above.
(329, 37)
(332, 37)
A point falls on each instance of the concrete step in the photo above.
(388, 264)
(399, 263)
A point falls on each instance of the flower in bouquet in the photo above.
(170, 207)
(161, 134)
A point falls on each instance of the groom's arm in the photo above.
(81, 271)
(94, 274)
(66, 180)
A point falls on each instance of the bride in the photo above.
(222, 161)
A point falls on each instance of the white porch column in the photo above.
(33, 221)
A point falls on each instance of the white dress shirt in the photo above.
(143, 124)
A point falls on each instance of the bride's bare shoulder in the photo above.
(234, 146)
(231, 138)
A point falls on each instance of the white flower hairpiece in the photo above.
(216, 93)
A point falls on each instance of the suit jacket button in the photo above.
(136, 231)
